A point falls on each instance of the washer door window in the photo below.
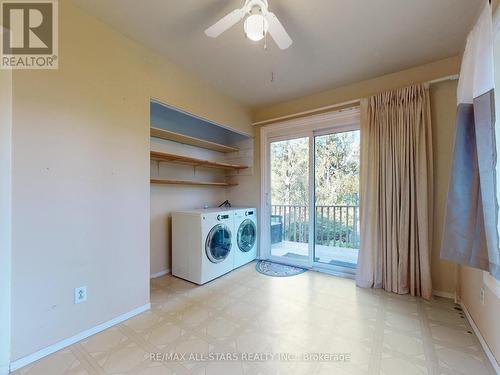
(218, 243)
(246, 235)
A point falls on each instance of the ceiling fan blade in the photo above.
(225, 23)
(278, 32)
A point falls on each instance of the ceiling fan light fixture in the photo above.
(256, 27)
(258, 22)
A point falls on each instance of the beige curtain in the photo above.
(396, 192)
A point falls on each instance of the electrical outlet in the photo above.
(481, 296)
(81, 294)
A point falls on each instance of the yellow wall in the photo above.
(81, 177)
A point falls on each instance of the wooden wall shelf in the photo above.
(191, 183)
(186, 139)
(173, 158)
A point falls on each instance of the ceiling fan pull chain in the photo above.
(264, 32)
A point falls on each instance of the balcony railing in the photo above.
(336, 226)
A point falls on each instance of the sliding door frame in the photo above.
(295, 135)
(311, 126)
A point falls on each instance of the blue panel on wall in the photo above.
(168, 118)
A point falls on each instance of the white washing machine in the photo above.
(202, 244)
(245, 236)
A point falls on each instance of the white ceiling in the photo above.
(336, 42)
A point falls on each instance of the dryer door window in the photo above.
(246, 235)
(218, 243)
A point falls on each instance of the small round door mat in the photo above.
(277, 270)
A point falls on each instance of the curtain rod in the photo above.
(453, 77)
(352, 103)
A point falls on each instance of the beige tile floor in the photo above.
(310, 313)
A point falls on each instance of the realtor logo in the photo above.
(29, 37)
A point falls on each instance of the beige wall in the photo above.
(361, 89)
(487, 316)
(5, 216)
(247, 193)
(81, 194)
(443, 111)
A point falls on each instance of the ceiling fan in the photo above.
(259, 21)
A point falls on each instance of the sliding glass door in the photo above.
(336, 174)
(289, 195)
(312, 195)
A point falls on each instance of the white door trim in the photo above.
(311, 203)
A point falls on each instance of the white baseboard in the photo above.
(485, 346)
(160, 274)
(21, 362)
(439, 293)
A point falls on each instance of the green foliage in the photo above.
(336, 184)
(289, 172)
(328, 233)
(336, 172)
(334, 233)
(337, 169)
